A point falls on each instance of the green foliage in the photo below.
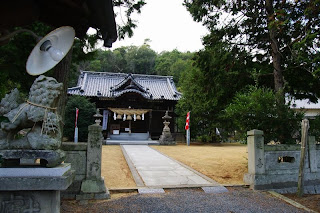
(86, 112)
(209, 86)
(13, 58)
(140, 59)
(173, 63)
(257, 108)
(129, 7)
(292, 26)
(315, 127)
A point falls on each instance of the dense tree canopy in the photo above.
(137, 59)
(210, 86)
(282, 33)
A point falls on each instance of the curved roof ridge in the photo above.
(122, 73)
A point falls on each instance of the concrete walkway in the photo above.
(160, 171)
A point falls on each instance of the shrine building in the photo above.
(132, 105)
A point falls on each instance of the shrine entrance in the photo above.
(129, 123)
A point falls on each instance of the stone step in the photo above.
(127, 142)
(130, 136)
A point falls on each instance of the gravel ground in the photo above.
(237, 200)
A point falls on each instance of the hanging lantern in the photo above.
(124, 117)
(119, 117)
(129, 117)
(138, 117)
(134, 117)
(143, 116)
(114, 116)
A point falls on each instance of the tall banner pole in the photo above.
(76, 127)
(188, 137)
(187, 127)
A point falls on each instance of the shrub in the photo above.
(85, 118)
(258, 108)
(315, 127)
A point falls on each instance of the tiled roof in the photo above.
(301, 103)
(112, 85)
(304, 104)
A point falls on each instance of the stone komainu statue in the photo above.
(36, 116)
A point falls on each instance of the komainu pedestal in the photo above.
(33, 189)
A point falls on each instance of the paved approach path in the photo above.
(158, 170)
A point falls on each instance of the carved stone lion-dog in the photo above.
(36, 116)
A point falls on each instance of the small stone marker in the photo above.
(215, 189)
(151, 191)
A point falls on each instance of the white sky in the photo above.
(168, 25)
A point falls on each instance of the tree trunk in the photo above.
(276, 55)
(61, 74)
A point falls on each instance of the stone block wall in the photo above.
(276, 167)
(76, 154)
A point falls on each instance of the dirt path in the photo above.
(114, 169)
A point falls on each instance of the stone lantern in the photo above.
(98, 117)
(166, 137)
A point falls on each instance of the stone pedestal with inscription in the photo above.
(33, 189)
(92, 187)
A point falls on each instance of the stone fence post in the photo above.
(256, 158)
(93, 186)
(313, 158)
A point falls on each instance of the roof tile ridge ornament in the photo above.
(83, 83)
(152, 76)
(171, 87)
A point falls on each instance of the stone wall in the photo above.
(276, 167)
(76, 154)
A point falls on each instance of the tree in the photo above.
(13, 58)
(129, 6)
(140, 59)
(210, 85)
(282, 33)
(86, 112)
(173, 63)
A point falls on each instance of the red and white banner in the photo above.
(77, 114)
(187, 121)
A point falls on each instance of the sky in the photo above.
(168, 25)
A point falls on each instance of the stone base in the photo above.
(48, 158)
(93, 186)
(93, 196)
(34, 191)
(166, 139)
(93, 189)
(30, 201)
(283, 183)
